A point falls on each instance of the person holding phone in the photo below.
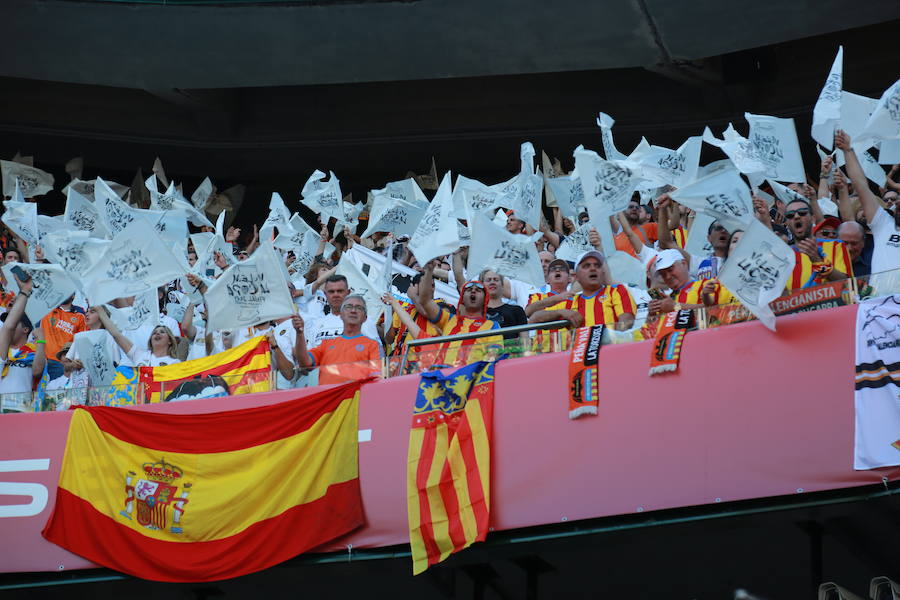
(20, 361)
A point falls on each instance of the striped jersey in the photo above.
(835, 251)
(460, 352)
(691, 293)
(603, 307)
(426, 327)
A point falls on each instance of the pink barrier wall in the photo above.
(750, 414)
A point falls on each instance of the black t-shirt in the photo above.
(508, 315)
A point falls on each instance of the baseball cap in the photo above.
(832, 222)
(560, 261)
(590, 254)
(666, 259)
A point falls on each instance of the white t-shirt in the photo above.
(886, 251)
(144, 358)
(520, 290)
(140, 337)
(17, 379)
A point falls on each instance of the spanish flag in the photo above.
(244, 369)
(208, 496)
(449, 465)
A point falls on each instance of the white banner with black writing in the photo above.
(721, 194)
(757, 270)
(607, 185)
(74, 251)
(397, 208)
(32, 181)
(249, 292)
(82, 214)
(96, 351)
(510, 254)
(51, 287)
(144, 311)
(437, 233)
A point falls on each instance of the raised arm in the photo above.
(855, 172)
(123, 342)
(15, 314)
(411, 326)
(40, 355)
(301, 353)
(426, 292)
(825, 191)
(636, 242)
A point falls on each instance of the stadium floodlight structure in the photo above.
(832, 591)
(882, 588)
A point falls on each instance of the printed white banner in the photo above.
(877, 387)
(279, 217)
(757, 270)
(605, 123)
(135, 261)
(301, 239)
(607, 185)
(510, 254)
(372, 263)
(663, 166)
(82, 214)
(568, 193)
(723, 193)
(883, 123)
(21, 218)
(437, 233)
(738, 148)
(144, 310)
(775, 142)
(827, 112)
(397, 208)
(368, 285)
(74, 251)
(575, 243)
(324, 197)
(201, 195)
(51, 286)
(95, 351)
(249, 292)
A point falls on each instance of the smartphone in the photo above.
(210, 272)
(21, 274)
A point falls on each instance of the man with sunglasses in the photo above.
(470, 316)
(348, 357)
(817, 260)
(599, 302)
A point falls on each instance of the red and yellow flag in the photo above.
(243, 369)
(449, 465)
(208, 496)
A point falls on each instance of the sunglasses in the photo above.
(354, 307)
(559, 268)
(473, 284)
(801, 212)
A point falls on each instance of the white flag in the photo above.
(249, 292)
(624, 268)
(607, 185)
(786, 194)
(775, 142)
(82, 214)
(368, 286)
(883, 123)
(95, 351)
(437, 233)
(663, 166)
(279, 216)
(21, 218)
(86, 188)
(855, 113)
(827, 112)
(757, 270)
(510, 254)
(526, 202)
(301, 239)
(889, 153)
(698, 236)
(576, 243)
(51, 286)
(739, 150)
(397, 208)
(144, 310)
(324, 197)
(32, 181)
(135, 261)
(201, 195)
(605, 123)
(372, 263)
(74, 251)
(722, 194)
(174, 203)
(569, 194)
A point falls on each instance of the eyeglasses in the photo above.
(474, 284)
(800, 212)
(354, 307)
(558, 268)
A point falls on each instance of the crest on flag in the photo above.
(157, 498)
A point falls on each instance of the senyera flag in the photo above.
(203, 497)
(449, 463)
(244, 369)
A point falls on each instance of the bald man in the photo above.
(854, 237)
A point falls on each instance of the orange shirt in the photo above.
(343, 358)
(648, 232)
(60, 327)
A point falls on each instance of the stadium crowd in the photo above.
(839, 226)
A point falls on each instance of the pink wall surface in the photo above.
(750, 414)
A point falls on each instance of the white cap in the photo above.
(666, 259)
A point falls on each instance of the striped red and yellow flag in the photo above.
(449, 465)
(244, 369)
(211, 496)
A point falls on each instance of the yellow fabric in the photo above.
(229, 491)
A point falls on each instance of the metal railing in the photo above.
(477, 335)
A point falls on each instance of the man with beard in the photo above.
(469, 317)
(599, 302)
(817, 261)
(709, 267)
(885, 225)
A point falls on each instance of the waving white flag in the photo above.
(786, 194)
(437, 233)
(827, 112)
(527, 201)
(144, 310)
(200, 197)
(279, 216)
(51, 286)
(575, 243)
(721, 194)
(174, 203)
(757, 270)
(135, 261)
(605, 123)
(607, 185)
(568, 193)
(324, 197)
(74, 251)
(32, 181)
(302, 240)
(82, 214)
(738, 148)
(510, 254)
(775, 142)
(884, 122)
(370, 286)
(397, 208)
(249, 292)
(663, 166)
(21, 218)
(95, 351)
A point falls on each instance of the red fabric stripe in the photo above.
(451, 500)
(473, 481)
(426, 457)
(223, 431)
(627, 302)
(78, 527)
